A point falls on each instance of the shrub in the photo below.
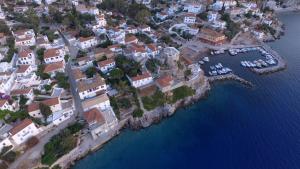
(10, 157)
(137, 113)
(182, 92)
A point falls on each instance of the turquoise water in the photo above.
(234, 128)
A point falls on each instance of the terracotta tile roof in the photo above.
(22, 68)
(94, 101)
(83, 59)
(53, 67)
(211, 32)
(114, 46)
(21, 32)
(152, 47)
(33, 107)
(190, 15)
(138, 48)
(102, 50)
(24, 52)
(94, 116)
(49, 102)
(164, 81)
(130, 38)
(78, 74)
(105, 62)
(83, 39)
(5, 73)
(90, 83)
(144, 75)
(2, 102)
(19, 127)
(18, 92)
(28, 37)
(49, 53)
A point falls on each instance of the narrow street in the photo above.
(32, 156)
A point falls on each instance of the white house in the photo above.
(101, 102)
(87, 42)
(106, 65)
(24, 70)
(84, 62)
(173, 9)
(27, 92)
(87, 10)
(7, 80)
(131, 30)
(60, 116)
(34, 109)
(219, 24)
(258, 34)
(100, 121)
(161, 15)
(2, 14)
(54, 55)
(90, 87)
(42, 42)
(212, 16)
(23, 131)
(4, 105)
(100, 19)
(152, 50)
(136, 52)
(4, 136)
(117, 35)
(53, 68)
(141, 80)
(193, 8)
(145, 2)
(25, 37)
(144, 28)
(131, 39)
(26, 57)
(190, 18)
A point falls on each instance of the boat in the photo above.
(206, 59)
(214, 72)
(201, 62)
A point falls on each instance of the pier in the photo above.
(281, 64)
(230, 76)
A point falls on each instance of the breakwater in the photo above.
(230, 76)
(281, 63)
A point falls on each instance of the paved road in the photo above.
(77, 100)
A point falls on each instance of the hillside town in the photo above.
(75, 72)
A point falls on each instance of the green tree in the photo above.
(90, 72)
(142, 16)
(45, 110)
(23, 101)
(40, 54)
(137, 113)
(116, 74)
(62, 80)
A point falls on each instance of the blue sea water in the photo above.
(234, 128)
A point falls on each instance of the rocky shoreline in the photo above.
(158, 114)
